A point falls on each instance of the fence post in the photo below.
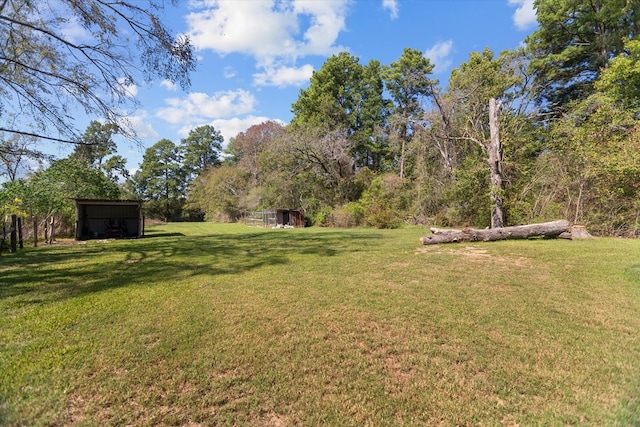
(20, 245)
(35, 231)
(51, 227)
(14, 239)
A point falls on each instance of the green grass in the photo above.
(207, 324)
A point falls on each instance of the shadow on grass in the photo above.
(52, 274)
(152, 234)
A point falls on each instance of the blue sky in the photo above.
(254, 56)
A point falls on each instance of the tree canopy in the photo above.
(576, 41)
(201, 149)
(546, 131)
(97, 143)
(47, 74)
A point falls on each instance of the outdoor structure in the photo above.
(275, 218)
(108, 218)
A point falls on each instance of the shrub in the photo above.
(348, 215)
(323, 217)
(380, 214)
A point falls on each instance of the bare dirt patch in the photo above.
(472, 254)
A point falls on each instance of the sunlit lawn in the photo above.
(208, 324)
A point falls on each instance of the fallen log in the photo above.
(546, 229)
(436, 230)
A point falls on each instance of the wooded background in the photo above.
(545, 132)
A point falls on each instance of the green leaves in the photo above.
(621, 79)
(97, 143)
(201, 149)
(46, 72)
(575, 42)
(333, 96)
(407, 80)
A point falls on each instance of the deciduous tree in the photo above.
(15, 152)
(598, 143)
(219, 193)
(621, 80)
(47, 73)
(247, 146)
(490, 93)
(345, 96)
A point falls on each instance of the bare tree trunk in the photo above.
(51, 230)
(579, 203)
(495, 166)
(402, 159)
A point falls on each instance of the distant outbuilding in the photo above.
(99, 219)
(275, 218)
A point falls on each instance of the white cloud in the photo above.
(327, 21)
(392, 5)
(275, 33)
(229, 72)
(440, 55)
(524, 17)
(74, 32)
(229, 128)
(200, 107)
(250, 27)
(169, 85)
(284, 76)
(130, 90)
(141, 126)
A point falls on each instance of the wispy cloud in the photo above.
(129, 89)
(392, 6)
(229, 72)
(440, 55)
(141, 126)
(72, 30)
(169, 85)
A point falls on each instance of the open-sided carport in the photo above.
(108, 218)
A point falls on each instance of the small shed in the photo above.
(291, 217)
(275, 218)
(96, 218)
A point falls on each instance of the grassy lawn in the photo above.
(207, 324)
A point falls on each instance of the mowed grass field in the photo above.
(207, 324)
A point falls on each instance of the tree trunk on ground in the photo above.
(576, 232)
(546, 229)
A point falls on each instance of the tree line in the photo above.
(547, 131)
